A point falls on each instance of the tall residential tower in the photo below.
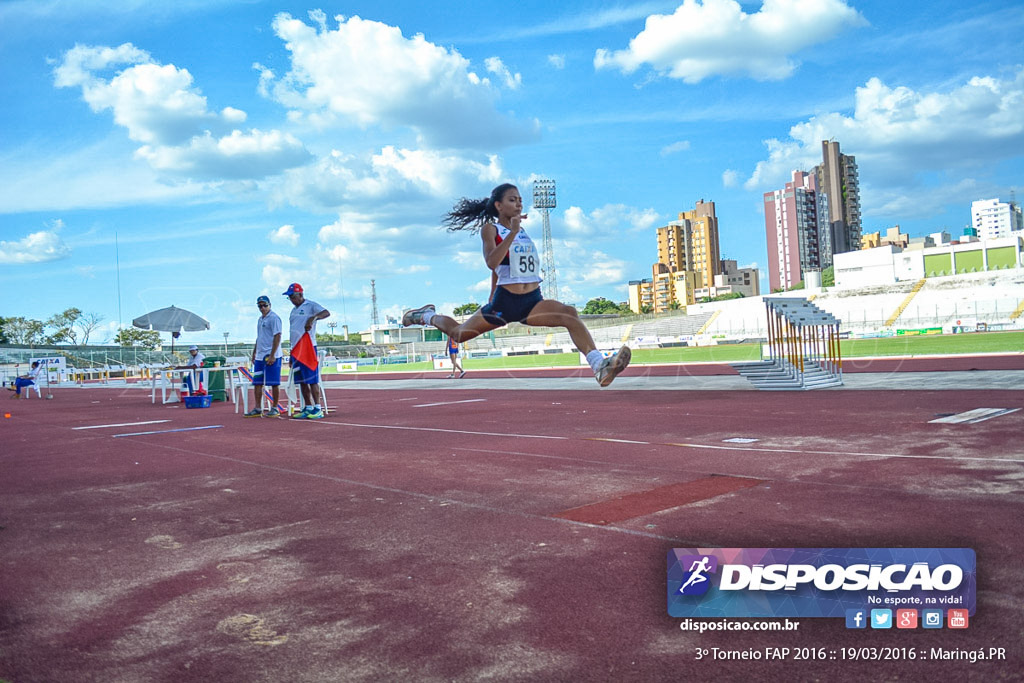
(797, 231)
(838, 181)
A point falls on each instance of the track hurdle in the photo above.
(802, 350)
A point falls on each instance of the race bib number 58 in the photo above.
(523, 260)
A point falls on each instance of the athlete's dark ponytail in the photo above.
(472, 214)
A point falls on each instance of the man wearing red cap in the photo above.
(302, 321)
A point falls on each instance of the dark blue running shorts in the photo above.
(506, 307)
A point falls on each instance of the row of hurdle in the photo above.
(802, 350)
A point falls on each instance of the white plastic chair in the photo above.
(292, 389)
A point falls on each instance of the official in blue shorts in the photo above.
(302, 320)
(266, 359)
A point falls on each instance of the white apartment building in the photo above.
(993, 218)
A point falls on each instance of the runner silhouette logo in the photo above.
(696, 580)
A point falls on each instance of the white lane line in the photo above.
(506, 435)
(168, 431)
(750, 449)
(448, 403)
(123, 424)
(600, 438)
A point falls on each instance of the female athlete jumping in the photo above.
(515, 282)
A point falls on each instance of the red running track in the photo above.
(414, 537)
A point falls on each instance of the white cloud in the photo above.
(233, 157)
(481, 287)
(281, 260)
(610, 220)
(368, 73)
(730, 178)
(472, 259)
(285, 235)
(400, 178)
(160, 107)
(583, 269)
(901, 134)
(97, 175)
(557, 61)
(497, 67)
(675, 147)
(37, 247)
(717, 38)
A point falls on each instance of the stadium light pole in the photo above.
(544, 199)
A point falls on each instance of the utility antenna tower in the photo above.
(373, 298)
(544, 199)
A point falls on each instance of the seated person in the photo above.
(195, 362)
(25, 380)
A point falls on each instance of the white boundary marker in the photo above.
(122, 424)
(448, 403)
(972, 416)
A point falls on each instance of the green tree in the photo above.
(646, 309)
(602, 306)
(674, 305)
(62, 327)
(466, 309)
(20, 330)
(3, 334)
(130, 336)
(828, 277)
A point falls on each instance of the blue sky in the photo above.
(230, 147)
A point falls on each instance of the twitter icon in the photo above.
(881, 618)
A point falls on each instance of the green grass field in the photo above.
(951, 344)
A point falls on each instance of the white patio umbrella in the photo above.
(173, 320)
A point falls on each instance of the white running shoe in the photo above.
(611, 366)
(414, 316)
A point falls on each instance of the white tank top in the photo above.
(522, 265)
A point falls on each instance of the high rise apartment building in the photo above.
(993, 218)
(691, 243)
(838, 181)
(797, 231)
(688, 259)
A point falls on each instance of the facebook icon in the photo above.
(856, 618)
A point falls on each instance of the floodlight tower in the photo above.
(544, 199)
(375, 319)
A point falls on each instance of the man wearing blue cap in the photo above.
(302, 320)
(266, 358)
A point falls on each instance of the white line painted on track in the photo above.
(448, 403)
(751, 449)
(168, 431)
(599, 438)
(437, 429)
(123, 424)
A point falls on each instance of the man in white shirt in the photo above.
(266, 358)
(25, 380)
(302, 320)
(194, 362)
